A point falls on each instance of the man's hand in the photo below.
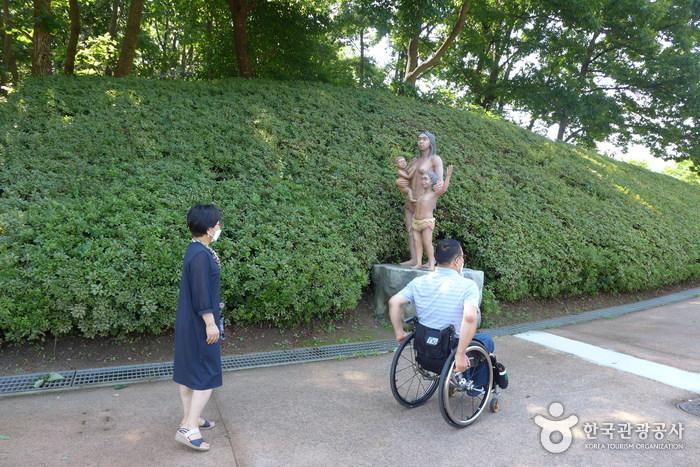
(461, 362)
(401, 336)
(212, 333)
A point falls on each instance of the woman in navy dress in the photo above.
(198, 325)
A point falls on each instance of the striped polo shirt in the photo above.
(439, 298)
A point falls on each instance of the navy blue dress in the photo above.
(197, 364)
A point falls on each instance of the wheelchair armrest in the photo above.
(411, 320)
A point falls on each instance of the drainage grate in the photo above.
(123, 374)
(24, 384)
(692, 407)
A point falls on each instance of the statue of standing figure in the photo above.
(430, 164)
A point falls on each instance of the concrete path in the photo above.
(343, 413)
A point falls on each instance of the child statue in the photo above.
(423, 220)
(405, 174)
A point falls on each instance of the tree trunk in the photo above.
(113, 19)
(416, 70)
(563, 123)
(74, 13)
(401, 56)
(8, 55)
(533, 119)
(209, 32)
(131, 39)
(411, 57)
(239, 14)
(41, 56)
(112, 29)
(3, 72)
(362, 58)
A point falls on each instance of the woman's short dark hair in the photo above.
(202, 217)
(447, 250)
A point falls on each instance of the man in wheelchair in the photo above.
(447, 309)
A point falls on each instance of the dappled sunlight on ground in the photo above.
(635, 197)
(357, 376)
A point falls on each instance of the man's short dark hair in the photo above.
(202, 217)
(447, 250)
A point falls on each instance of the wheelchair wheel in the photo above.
(411, 385)
(461, 401)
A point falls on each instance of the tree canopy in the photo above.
(595, 70)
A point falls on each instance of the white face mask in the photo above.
(215, 237)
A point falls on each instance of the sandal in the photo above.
(205, 424)
(184, 436)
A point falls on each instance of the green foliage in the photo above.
(95, 55)
(97, 175)
(684, 170)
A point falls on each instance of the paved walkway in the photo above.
(342, 412)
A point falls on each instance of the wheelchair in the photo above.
(460, 401)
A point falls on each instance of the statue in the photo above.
(427, 162)
(423, 222)
(405, 174)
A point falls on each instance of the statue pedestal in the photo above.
(388, 279)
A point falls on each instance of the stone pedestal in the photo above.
(390, 278)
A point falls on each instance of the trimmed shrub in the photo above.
(97, 175)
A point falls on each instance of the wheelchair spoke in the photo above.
(410, 385)
(462, 401)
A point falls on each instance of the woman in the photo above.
(198, 325)
(428, 161)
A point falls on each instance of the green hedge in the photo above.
(97, 175)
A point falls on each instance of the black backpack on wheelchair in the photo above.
(433, 346)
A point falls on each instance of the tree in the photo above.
(113, 18)
(415, 23)
(621, 69)
(9, 62)
(41, 56)
(131, 39)
(240, 9)
(488, 54)
(354, 21)
(69, 65)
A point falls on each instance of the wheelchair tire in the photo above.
(410, 384)
(461, 405)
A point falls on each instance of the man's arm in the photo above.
(466, 334)
(396, 315)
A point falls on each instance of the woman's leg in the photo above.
(198, 402)
(186, 398)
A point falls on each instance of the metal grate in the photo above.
(691, 406)
(123, 374)
(25, 383)
(95, 377)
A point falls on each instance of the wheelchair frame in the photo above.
(460, 401)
